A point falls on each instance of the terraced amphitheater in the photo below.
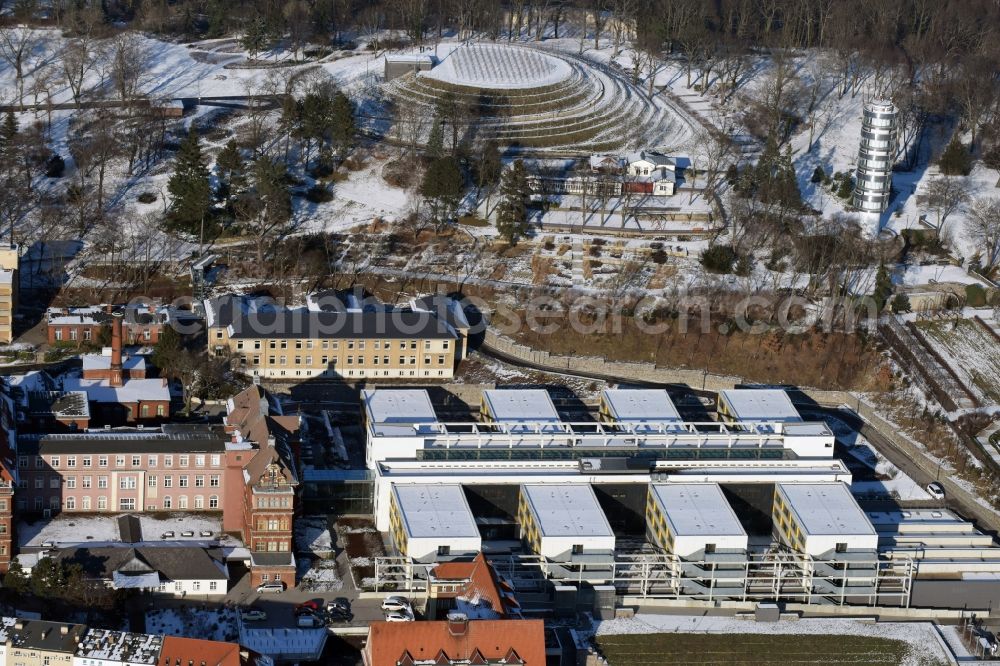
(544, 101)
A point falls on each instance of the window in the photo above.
(283, 344)
(841, 547)
(298, 344)
(177, 587)
(213, 502)
(213, 585)
(182, 482)
(264, 578)
(578, 549)
(709, 548)
(39, 482)
(199, 481)
(444, 345)
(151, 481)
(216, 460)
(39, 463)
(185, 461)
(182, 502)
(55, 462)
(102, 503)
(119, 461)
(270, 360)
(87, 333)
(199, 502)
(71, 461)
(361, 344)
(145, 411)
(54, 482)
(136, 461)
(444, 550)
(70, 504)
(166, 502)
(214, 481)
(256, 344)
(270, 345)
(22, 462)
(196, 586)
(126, 482)
(151, 461)
(87, 481)
(86, 503)
(73, 334)
(199, 461)
(168, 461)
(102, 461)
(87, 461)
(71, 482)
(102, 482)
(59, 334)
(168, 481)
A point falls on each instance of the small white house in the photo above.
(432, 522)
(821, 519)
(560, 521)
(651, 173)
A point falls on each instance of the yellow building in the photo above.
(302, 343)
(9, 264)
(38, 643)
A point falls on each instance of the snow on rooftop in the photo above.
(759, 405)
(567, 510)
(694, 509)
(395, 411)
(826, 508)
(640, 405)
(435, 511)
(520, 406)
(133, 390)
(102, 361)
(500, 66)
(924, 516)
(67, 530)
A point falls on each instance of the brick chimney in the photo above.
(116, 377)
(458, 624)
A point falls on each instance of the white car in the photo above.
(254, 615)
(398, 616)
(270, 587)
(397, 604)
(935, 490)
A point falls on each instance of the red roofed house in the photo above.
(456, 641)
(472, 588)
(177, 651)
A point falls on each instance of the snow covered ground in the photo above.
(312, 534)
(921, 637)
(971, 350)
(220, 624)
(319, 576)
(98, 530)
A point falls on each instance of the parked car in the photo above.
(167, 535)
(270, 587)
(935, 490)
(397, 603)
(253, 615)
(339, 616)
(340, 604)
(309, 620)
(299, 611)
(188, 533)
(398, 616)
(206, 533)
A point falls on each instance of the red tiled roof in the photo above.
(178, 651)
(390, 643)
(482, 581)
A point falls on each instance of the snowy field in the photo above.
(97, 530)
(925, 646)
(318, 575)
(971, 350)
(191, 622)
(499, 66)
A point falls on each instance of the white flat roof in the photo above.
(640, 405)
(697, 509)
(760, 405)
(520, 405)
(435, 511)
(132, 390)
(397, 406)
(913, 516)
(103, 362)
(826, 508)
(563, 510)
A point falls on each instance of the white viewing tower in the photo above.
(876, 156)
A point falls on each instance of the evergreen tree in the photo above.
(512, 211)
(230, 172)
(435, 141)
(900, 303)
(342, 124)
(955, 160)
(442, 188)
(488, 169)
(883, 287)
(256, 37)
(189, 186)
(7, 131)
(216, 19)
(16, 580)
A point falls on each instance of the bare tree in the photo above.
(984, 229)
(128, 65)
(16, 44)
(945, 195)
(77, 61)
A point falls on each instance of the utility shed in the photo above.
(754, 405)
(521, 410)
(643, 410)
(692, 519)
(432, 522)
(821, 519)
(559, 521)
